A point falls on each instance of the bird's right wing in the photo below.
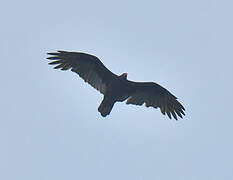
(87, 66)
(154, 95)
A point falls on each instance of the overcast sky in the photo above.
(50, 127)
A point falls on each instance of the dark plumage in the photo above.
(116, 88)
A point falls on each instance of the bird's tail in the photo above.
(106, 106)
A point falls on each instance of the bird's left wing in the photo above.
(87, 66)
(154, 95)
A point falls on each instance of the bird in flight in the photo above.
(116, 88)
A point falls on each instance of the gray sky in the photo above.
(50, 127)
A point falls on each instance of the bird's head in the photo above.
(123, 76)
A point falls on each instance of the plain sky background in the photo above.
(50, 127)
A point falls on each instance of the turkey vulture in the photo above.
(116, 88)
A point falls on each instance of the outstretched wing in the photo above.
(87, 66)
(155, 96)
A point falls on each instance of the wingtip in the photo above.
(183, 108)
(174, 115)
(53, 58)
(56, 53)
(168, 114)
(61, 51)
(182, 112)
(52, 53)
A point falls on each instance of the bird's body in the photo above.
(117, 88)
